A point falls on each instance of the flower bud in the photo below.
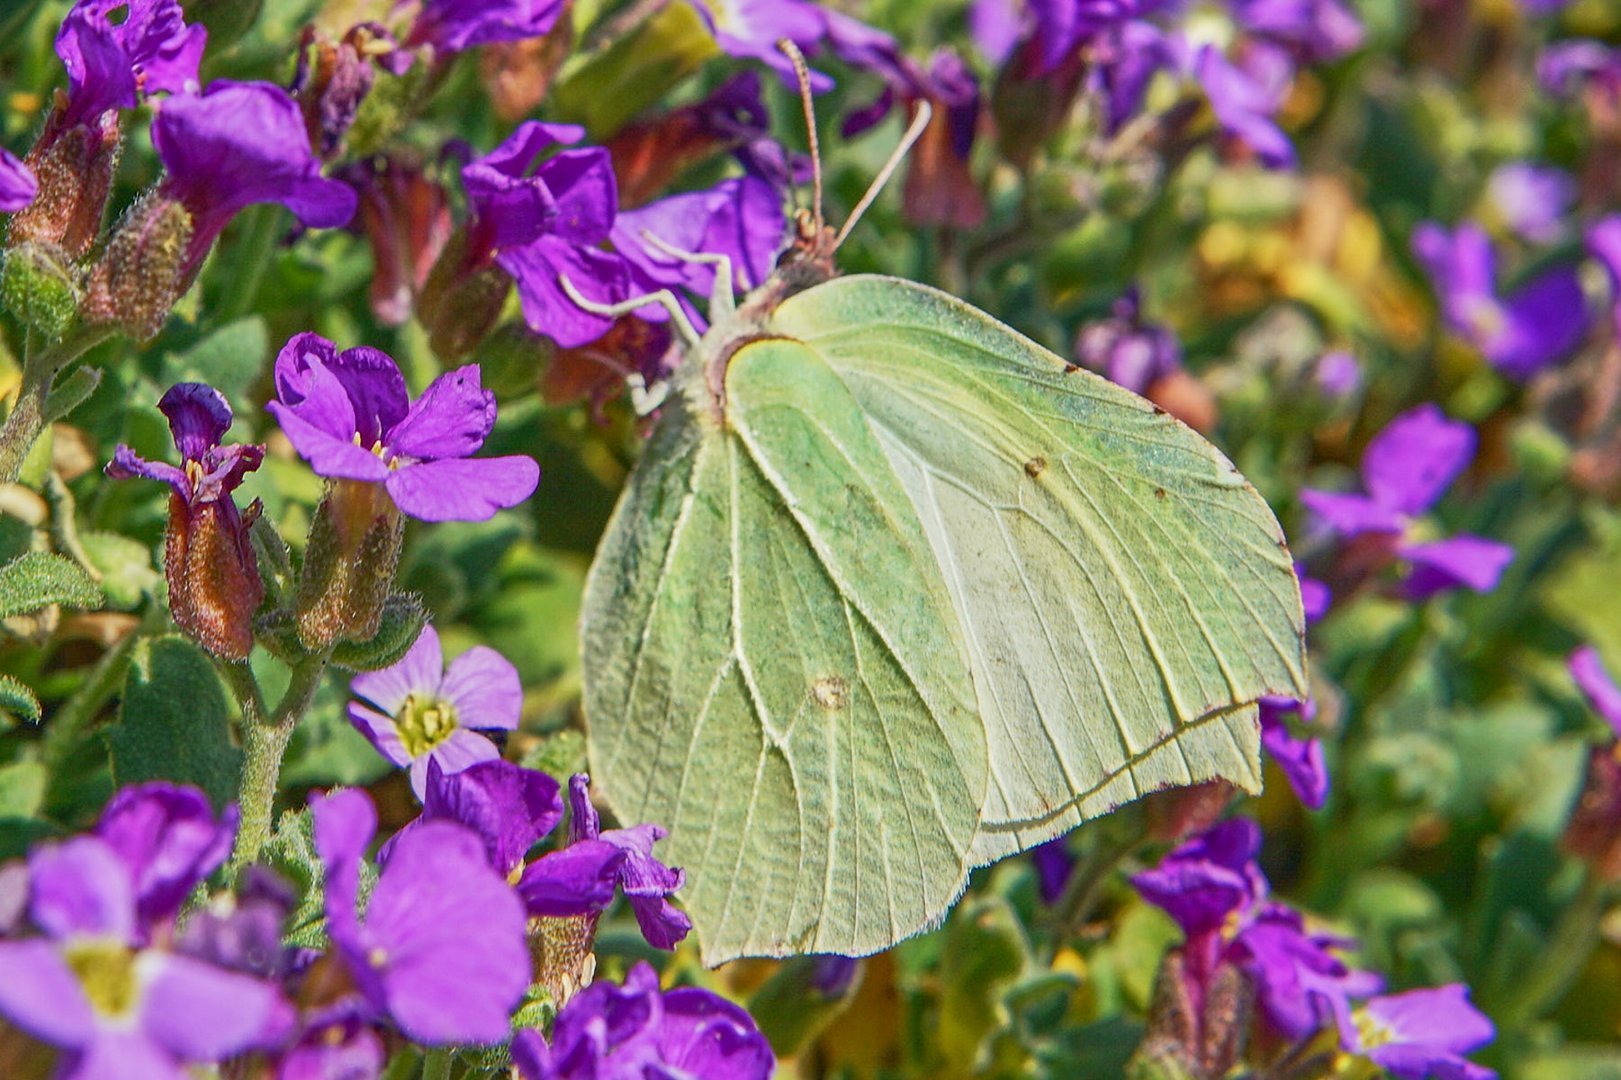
(1197, 1028)
(405, 216)
(560, 949)
(74, 167)
(460, 304)
(214, 586)
(1593, 833)
(1030, 103)
(38, 288)
(349, 564)
(142, 273)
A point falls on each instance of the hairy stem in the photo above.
(21, 429)
(264, 742)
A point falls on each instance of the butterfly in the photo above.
(895, 592)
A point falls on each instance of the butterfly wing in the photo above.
(1124, 593)
(774, 673)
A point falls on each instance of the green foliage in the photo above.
(17, 702)
(174, 722)
(125, 566)
(40, 578)
(400, 626)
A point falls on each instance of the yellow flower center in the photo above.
(106, 970)
(424, 722)
(1370, 1031)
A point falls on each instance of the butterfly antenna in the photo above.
(802, 73)
(920, 120)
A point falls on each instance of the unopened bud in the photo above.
(349, 564)
(142, 273)
(1175, 814)
(1593, 833)
(560, 950)
(1198, 1023)
(37, 286)
(214, 585)
(460, 304)
(1030, 103)
(74, 167)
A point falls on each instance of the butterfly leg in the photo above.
(721, 301)
(664, 298)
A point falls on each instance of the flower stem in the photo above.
(436, 1064)
(1569, 946)
(21, 429)
(264, 742)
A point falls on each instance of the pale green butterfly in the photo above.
(894, 592)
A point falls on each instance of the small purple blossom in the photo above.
(112, 66)
(238, 144)
(441, 949)
(579, 879)
(1337, 374)
(417, 711)
(91, 984)
(17, 183)
(1315, 30)
(1421, 1033)
(638, 1030)
(348, 414)
(510, 807)
(1565, 67)
(199, 416)
(1053, 864)
(336, 1043)
(1126, 348)
(170, 839)
(1405, 470)
(750, 30)
(451, 26)
(1537, 325)
(1595, 683)
(542, 213)
(1532, 199)
(1300, 759)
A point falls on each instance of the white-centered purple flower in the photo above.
(349, 415)
(417, 711)
(113, 64)
(92, 984)
(451, 26)
(441, 949)
(1537, 325)
(1405, 470)
(17, 183)
(637, 1030)
(237, 144)
(1421, 1034)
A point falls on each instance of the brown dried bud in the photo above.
(1175, 814)
(460, 301)
(214, 585)
(405, 216)
(517, 74)
(1593, 833)
(349, 564)
(137, 280)
(1029, 104)
(74, 167)
(560, 951)
(1185, 397)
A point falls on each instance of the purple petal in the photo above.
(452, 931)
(1415, 458)
(1244, 106)
(469, 489)
(536, 267)
(202, 1013)
(41, 995)
(170, 840)
(484, 687)
(1300, 759)
(663, 925)
(419, 671)
(17, 184)
(357, 391)
(1594, 681)
(587, 194)
(583, 822)
(381, 732)
(1053, 864)
(460, 750)
(1315, 597)
(1462, 269)
(995, 27)
(1202, 882)
(455, 25)
(82, 887)
(150, 50)
(1470, 561)
(1542, 323)
(703, 1034)
(328, 454)
(531, 1056)
(451, 419)
(1440, 1018)
(1300, 986)
(512, 203)
(575, 880)
(123, 1055)
(345, 822)
(1351, 515)
(199, 416)
(347, 1050)
(509, 806)
(1532, 198)
(127, 464)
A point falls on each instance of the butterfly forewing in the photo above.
(1123, 592)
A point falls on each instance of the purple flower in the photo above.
(453, 25)
(112, 66)
(90, 986)
(1567, 66)
(441, 949)
(1062, 25)
(637, 1030)
(1406, 469)
(1539, 324)
(242, 931)
(1204, 881)
(1245, 95)
(1316, 30)
(1053, 864)
(1300, 759)
(1337, 374)
(1532, 199)
(750, 30)
(1126, 348)
(543, 217)
(510, 807)
(17, 184)
(1421, 1033)
(213, 574)
(1595, 683)
(347, 413)
(416, 711)
(236, 145)
(335, 1044)
(579, 879)
(169, 839)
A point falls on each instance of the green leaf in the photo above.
(174, 723)
(125, 566)
(17, 702)
(985, 952)
(71, 392)
(41, 578)
(911, 598)
(229, 359)
(22, 789)
(403, 618)
(611, 87)
(791, 1010)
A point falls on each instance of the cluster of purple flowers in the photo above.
(1218, 896)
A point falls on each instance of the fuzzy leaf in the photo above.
(41, 578)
